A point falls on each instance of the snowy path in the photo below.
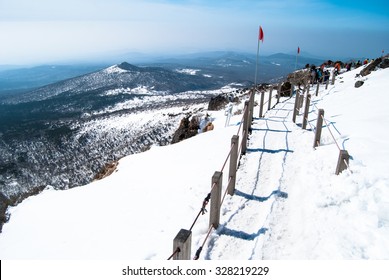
(245, 216)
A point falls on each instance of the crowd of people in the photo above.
(321, 74)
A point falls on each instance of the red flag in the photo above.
(298, 50)
(260, 34)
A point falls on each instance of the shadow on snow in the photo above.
(261, 198)
(241, 234)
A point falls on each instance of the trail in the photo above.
(260, 183)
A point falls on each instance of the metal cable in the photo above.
(325, 121)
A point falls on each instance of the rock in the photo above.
(385, 63)
(107, 170)
(285, 88)
(4, 203)
(371, 67)
(218, 102)
(299, 78)
(186, 129)
(208, 127)
(358, 84)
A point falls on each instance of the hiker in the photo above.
(319, 75)
(337, 68)
(313, 74)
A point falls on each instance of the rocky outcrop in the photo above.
(381, 62)
(218, 102)
(188, 128)
(385, 63)
(4, 203)
(299, 78)
(285, 88)
(108, 169)
(370, 67)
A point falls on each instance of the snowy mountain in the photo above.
(288, 203)
(63, 134)
(124, 76)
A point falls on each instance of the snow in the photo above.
(115, 69)
(289, 204)
(188, 71)
(137, 90)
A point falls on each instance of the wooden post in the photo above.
(279, 92)
(233, 164)
(327, 82)
(319, 126)
(343, 161)
(269, 103)
(333, 78)
(306, 111)
(291, 90)
(183, 241)
(261, 104)
(251, 109)
(317, 88)
(216, 193)
(301, 102)
(245, 129)
(295, 109)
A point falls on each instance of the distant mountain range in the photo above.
(227, 66)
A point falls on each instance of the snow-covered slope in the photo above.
(288, 204)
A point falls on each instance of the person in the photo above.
(337, 68)
(313, 74)
(319, 75)
(366, 61)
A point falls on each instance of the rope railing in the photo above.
(226, 191)
(343, 154)
(237, 149)
(198, 252)
(227, 158)
(174, 253)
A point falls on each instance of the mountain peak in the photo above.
(127, 66)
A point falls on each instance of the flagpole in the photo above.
(295, 65)
(256, 67)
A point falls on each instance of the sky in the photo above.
(43, 31)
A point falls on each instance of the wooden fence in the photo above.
(182, 241)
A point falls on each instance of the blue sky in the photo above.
(44, 31)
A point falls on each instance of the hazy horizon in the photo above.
(58, 31)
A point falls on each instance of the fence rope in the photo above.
(228, 156)
(226, 191)
(332, 135)
(174, 253)
(203, 209)
(241, 121)
(198, 252)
